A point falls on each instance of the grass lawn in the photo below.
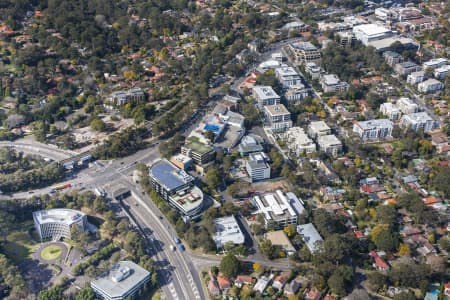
(51, 252)
(18, 246)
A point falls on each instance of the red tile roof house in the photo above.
(313, 294)
(224, 282)
(379, 263)
(279, 282)
(243, 279)
(447, 289)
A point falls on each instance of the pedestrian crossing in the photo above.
(173, 292)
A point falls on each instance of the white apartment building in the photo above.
(298, 142)
(227, 230)
(287, 76)
(415, 77)
(277, 117)
(296, 93)
(435, 63)
(313, 69)
(120, 98)
(418, 121)
(278, 209)
(391, 111)
(332, 84)
(430, 85)
(257, 166)
(374, 129)
(367, 33)
(406, 105)
(442, 72)
(329, 144)
(318, 128)
(265, 95)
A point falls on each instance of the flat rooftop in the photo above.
(121, 278)
(371, 29)
(275, 206)
(377, 123)
(330, 79)
(196, 145)
(419, 117)
(329, 140)
(58, 215)
(227, 230)
(169, 175)
(286, 71)
(319, 126)
(305, 46)
(276, 110)
(265, 92)
(310, 236)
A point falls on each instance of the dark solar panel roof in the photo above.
(168, 175)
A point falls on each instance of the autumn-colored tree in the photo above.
(257, 267)
(404, 249)
(290, 230)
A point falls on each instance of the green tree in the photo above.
(213, 178)
(51, 294)
(85, 294)
(442, 180)
(97, 124)
(229, 265)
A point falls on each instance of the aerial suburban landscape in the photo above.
(224, 149)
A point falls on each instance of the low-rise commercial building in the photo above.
(390, 110)
(415, 77)
(418, 121)
(265, 95)
(257, 166)
(182, 161)
(332, 84)
(303, 52)
(318, 128)
(406, 67)
(56, 223)
(278, 209)
(329, 144)
(123, 281)
(367, 33)
(177, 188)
(287, 76)
(251, 143)
(429, 86)
(298, 142)
(406, 105)
(310, 236)
(277, 117)
(227, 230)
(373, 130)
(200, 151)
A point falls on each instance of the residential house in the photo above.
(223, 282)
(242, 280)
(429, 86)
(292, 287)
(373, 129)
(405, 68)
(279, 282)
(213, 288)
(262, 283)
(418, 121)
(278, 117)
(313, 294)
(257, 166)
(379, 263)
(447, 289)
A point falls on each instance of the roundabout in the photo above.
(51, 252)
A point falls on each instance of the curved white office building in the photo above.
(56, 223)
